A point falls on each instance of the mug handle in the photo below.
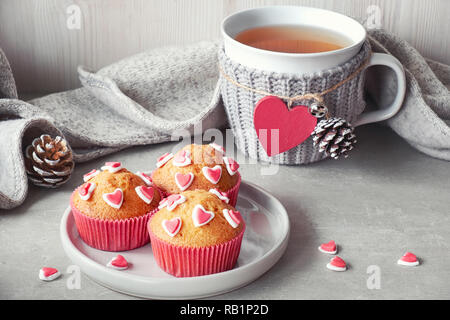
(390, 111)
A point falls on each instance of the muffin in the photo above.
(195, 233)
(203, 167)
(112, 208)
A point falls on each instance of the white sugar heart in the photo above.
(48, 274)
(172, 201)
(163, 159)
(233, 217)
(329, 247)
(182, 159)
(217, 147)
(200, 216)
(88, 176)
(119, 263)
(221, 195)
(337, 264)
(172, 226)
(212, 174)
(145, 193)
(85, 191)
(409, 259)
(112, 167)
(145, 177)
(231, 165)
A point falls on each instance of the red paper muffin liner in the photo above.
(232, 194)
(112, 235)
(192, 262)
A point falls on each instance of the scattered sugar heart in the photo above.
(329, 247)
(114, 199)
(280, 129)
(212, 174)
(337, 264)
(48, 274)
(200, 216)
(234, 218)
(145, 193)
(409, 259)
(183, 181)
(118, 263)
(182, 159)
(172, 226)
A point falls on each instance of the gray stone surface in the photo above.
(385, 199)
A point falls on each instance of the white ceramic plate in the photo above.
(265, 240)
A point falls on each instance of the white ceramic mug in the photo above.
(303, 63)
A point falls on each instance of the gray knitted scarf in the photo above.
(142, 99)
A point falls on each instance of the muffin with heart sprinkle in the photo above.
(199, 167)
(196, 233)
(113, 206)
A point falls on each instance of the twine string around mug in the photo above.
(317, 96)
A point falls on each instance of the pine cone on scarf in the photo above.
(334, 136)
(48, 161)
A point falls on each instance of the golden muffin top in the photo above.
(194, 167)
(196, 219)
(116, 193)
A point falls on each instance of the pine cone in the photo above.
(334, 136)
(48, 161)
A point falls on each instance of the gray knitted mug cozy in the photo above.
(346, 101)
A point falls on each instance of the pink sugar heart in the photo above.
(112, 167)
(280, 129)
(145, 193)
(48, 274)
(172, 226)
(114, 199)
(337, 264)
(212, 174)
(217, 147)
(90, 175)
(119, 262)
(221, 195)
(183, 181)
(162, 160)
(174, 200)
(85, 191)
(145, 177)
(113, 164)
(49, 271)
(231, 165)
(200, 216)
(182, 159)
(409, 259)
(234, 218)
(329, 247)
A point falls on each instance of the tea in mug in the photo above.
(293, 39)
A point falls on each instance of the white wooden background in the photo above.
(44, 52)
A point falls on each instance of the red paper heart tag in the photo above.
(280, 129)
